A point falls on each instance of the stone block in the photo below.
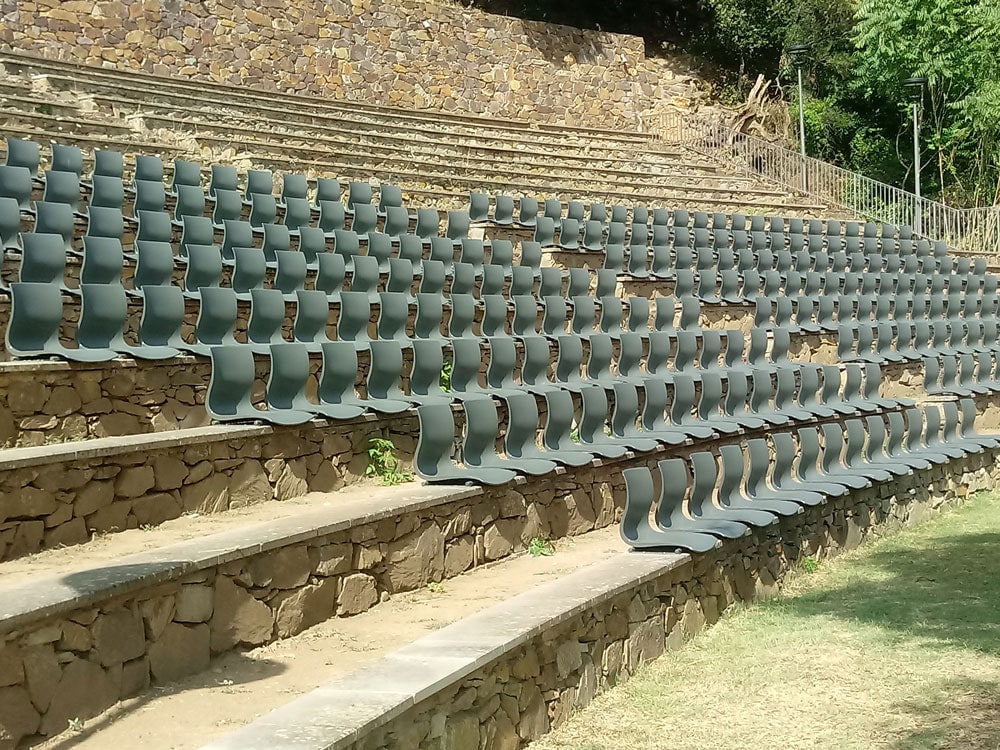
(334, 559)
(11, 665)
(239, 618)
(459, 556)
(18, 717)
(286, 568)
(135, 481)
(119, 636)
(357, 594)
(415, 559)
(84, 690)
(306, 607)
(568, 658)
(67, 534)
(500, 538)
(42, 673)
(248, 485)
(181, 650)
(534, 716)
(135, 677)
(461, 732)
(156, 613)
(75, 637)
(194, 603)
(169, 472)
(645, 642)
(210, 495)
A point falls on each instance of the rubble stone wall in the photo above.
(413, 54)
(535, 688)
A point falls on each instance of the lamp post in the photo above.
(800, 55)
(915, 87)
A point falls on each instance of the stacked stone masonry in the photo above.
(412, 54)
(80, 662)
(527, 692)
(77, 664)
(47, 505)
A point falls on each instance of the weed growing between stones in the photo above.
(541, 547)
(383, 464)
(445, 380)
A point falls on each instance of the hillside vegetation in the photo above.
(857, 112)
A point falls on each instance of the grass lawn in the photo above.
(895, 645)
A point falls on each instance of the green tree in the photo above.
(954, 44)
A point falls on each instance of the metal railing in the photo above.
(968, 229)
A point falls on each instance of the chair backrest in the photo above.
(231, 383)
(358, 193)
(355, 313)
(467, 359)
(290, 274)
(428, 363)
(338, 373)
(35, 318)
(267, 315)
(522, 425)
(502, 358)
(327, 189)
(594, 415)
(430, 312)
(162, 316)
(43, 259)
(287, 378)
(654, 408)
(102, 261)
(249, 269)
(103, 314)
(481, 430)
(216, 316)
(148, 167)
(559, 420)
(435, 440)
(365, 219)
(385, 371)
(569, 359)
(23, 153)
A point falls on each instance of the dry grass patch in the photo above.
(896, 645)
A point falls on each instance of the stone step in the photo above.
(509, 674)
(407, 170)
(298, 105)
(193, 119)
(240, 686)
(252, 583)
(62, 493)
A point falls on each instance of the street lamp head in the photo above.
(799, 53)
(915, 88)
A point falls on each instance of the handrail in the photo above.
(968, 229)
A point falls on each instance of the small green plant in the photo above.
(574, 435)
(435, 588)
(445, 379)
(383, 464)
(541, 547)
(810, 565)
(75, 725)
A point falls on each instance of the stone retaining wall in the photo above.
(46, 504)
(413, 54)
(525, 693)
(77, 664)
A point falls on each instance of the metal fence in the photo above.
(968, 229)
